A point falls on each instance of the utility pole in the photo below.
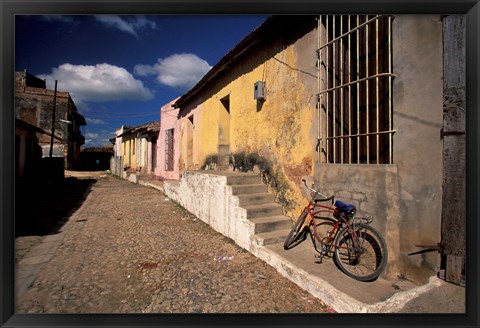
(53, 118)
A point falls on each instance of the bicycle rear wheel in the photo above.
(297, 234)
(366, 261)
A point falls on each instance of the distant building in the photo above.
(117, 161)
(34, 104)
(168, 151)
(138, 149)
(96, 158)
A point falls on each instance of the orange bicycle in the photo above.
(357, 248)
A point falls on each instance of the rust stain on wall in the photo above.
(296, 172)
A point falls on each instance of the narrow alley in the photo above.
(129, 249)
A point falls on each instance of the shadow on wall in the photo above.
(43, 207)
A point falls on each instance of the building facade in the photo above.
(39, 106)
(116, 163)
(168, 143)
(136, 147)
(28, 152)
(353, 103)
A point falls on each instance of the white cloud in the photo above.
(178, 70)
(99, 83)
(127, 24)
(91, 135)
(98, 139)
(94, 121)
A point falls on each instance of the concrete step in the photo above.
(271, 223)
(263, 210)
(247, 179)
(255, 199)
(248, 189)
(271, 237)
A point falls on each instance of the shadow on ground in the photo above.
(42, 207)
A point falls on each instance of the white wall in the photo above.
(210, 199)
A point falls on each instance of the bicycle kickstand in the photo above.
(320, 254)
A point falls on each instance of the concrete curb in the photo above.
(315, 285)
(335, 298)
(398, 301)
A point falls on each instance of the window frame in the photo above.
(169, 149)
(354, 61)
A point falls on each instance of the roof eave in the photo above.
(249, 42)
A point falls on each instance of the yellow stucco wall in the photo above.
(279, 129)
(284, 130)
(129, 157)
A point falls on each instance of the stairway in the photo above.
(270, 225)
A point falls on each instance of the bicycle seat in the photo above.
(344, 207)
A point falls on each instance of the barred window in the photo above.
(355, 89)
(169, 150)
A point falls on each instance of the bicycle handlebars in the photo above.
(315, 192)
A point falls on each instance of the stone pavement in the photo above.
(129, 249)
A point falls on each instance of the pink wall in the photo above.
(168, 120)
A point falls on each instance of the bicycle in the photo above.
(357, 248)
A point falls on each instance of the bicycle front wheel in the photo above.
(361, 254)
(297, 234)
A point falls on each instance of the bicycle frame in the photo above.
(357, 248)
(313, 209)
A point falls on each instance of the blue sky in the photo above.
(120, 70)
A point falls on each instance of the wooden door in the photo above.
(453, 134)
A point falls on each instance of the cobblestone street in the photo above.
(129, 249)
